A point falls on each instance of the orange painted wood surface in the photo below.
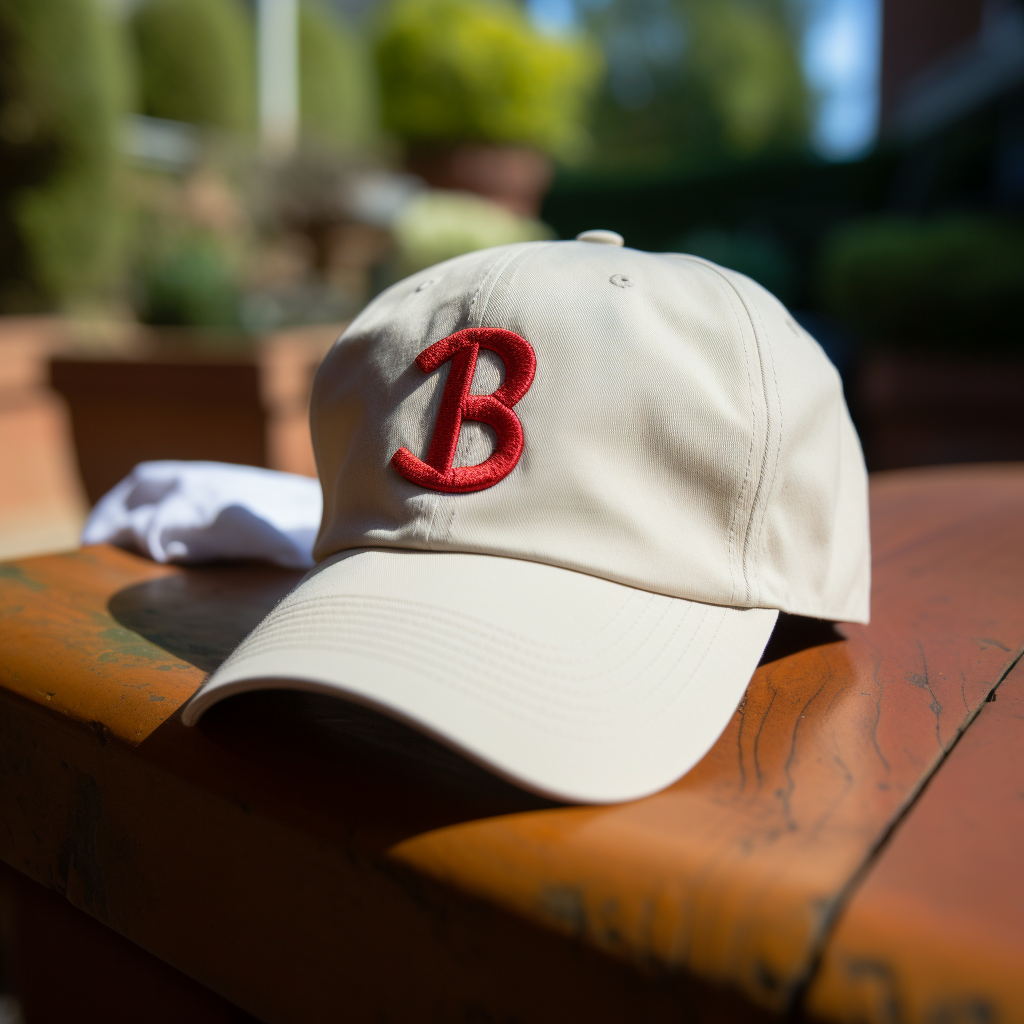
(935, 932)
(734, 873)
(63, 646)
(301, 856)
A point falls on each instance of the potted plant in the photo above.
(480, 98)
(236, 302)
(195, 380)
(63, 94)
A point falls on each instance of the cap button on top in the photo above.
(601, 237)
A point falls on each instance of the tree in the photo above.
(698, 82)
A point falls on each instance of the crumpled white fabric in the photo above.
(208, 511)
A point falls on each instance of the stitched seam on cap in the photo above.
(734, 290)
(757, 547)
(408, 543)
(704, 657)
(634, 657)
(538, 708)
(545, 653)
(500, 268)
(647, 597)
(461, 670)
(747, 473)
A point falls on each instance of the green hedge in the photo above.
(63, 91)
(337, 82)
(476, 70)
(951, 283)
(196, 62)
(189, 281)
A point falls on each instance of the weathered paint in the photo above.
(63, 643)
(62, 648)
(734, 873)
(935, 932)
(302, 872)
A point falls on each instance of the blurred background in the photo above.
(197, 195)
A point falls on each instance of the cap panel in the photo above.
(849, 571)
(808, 550)
(682, 434)
(642, 433)
(369, 399)
(642, 423)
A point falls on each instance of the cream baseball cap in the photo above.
(568, 486)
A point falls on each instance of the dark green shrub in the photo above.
(63, 92)
(196, 62)
(473, 70)
(953, 283)
(337, 82)
(189, 282)
(759, 255)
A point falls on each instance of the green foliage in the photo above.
(196, 62)
(955, 282)
(438, 225)
(337, 82)
(63, 90)
(190, 282)
(745, 61)
(698, 83)
(476, 70)
(759, 255)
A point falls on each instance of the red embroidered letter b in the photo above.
(457, 404)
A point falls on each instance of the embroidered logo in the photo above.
(458, 404)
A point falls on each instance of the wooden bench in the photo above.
(850, 849)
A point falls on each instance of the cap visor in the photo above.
(566, 684)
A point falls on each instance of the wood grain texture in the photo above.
(936, 930)
(734, 873)
(305, 858)
(256, 868)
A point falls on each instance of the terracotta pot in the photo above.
(514, 176)
(918, 410)
(42, 504)
(245, 401)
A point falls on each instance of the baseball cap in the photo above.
(568, 487)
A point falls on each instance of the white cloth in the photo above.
(209, 511)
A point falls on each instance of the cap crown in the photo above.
(681, 434)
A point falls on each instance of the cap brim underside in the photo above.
(569, 685)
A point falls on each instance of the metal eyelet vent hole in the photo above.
(621, 281)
